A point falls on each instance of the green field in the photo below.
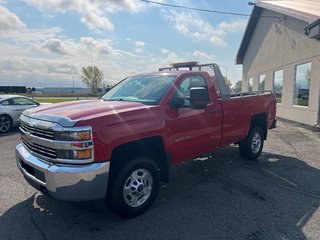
(59, 99)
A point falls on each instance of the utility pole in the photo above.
(72, 85)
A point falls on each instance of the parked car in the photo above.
(11, 107)
(122, 146)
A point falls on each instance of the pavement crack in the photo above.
(25, 190)
(298, 190)
(241, 187)
(293, 148)
(285, 183)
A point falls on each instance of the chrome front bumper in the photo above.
(62, 181)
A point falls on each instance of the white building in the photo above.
(280, 51)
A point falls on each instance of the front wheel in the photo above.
(5, 123)
(134, 188)
(251, 147)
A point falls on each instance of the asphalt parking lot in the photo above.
(217, 197)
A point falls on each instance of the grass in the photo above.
(59, 99)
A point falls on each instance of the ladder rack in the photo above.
(195, 66)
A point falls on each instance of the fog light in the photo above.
(74, 154)
(83, 154)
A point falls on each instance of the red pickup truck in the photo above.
(121, 147)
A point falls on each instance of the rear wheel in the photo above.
(5, 123)
(134, 188)
(251, 147)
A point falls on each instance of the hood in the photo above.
(67, 114)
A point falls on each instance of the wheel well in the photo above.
(152, 147)
(7, 116)
(260, 120)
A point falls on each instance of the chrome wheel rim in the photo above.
(4, 124)
(256, 143)
(137, 187)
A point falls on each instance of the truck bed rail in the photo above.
(249, 94)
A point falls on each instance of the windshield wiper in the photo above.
(116, 99)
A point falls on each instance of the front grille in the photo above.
(39, 132)
(40, 150)
(41, 138)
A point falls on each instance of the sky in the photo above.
(45, 43)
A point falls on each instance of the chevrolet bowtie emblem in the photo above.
(27, 135)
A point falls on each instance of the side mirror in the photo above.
(176, 102)
(198, 98)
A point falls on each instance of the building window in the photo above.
(262, 81)
(250, 84)
(302, 84)
(277, 84)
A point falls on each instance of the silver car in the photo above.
(11, 107)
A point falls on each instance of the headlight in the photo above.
(73, 135)
(74, 144)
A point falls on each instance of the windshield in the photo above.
(145, 89)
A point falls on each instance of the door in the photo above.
(24, 103)
(15, 106)
(193, 131)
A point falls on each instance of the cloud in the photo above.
(235, 26)
(93, 20)
(165, 51)
(36, 66)
(99, 46)
(95, 48)
(217, 41)
(139, 43)
(53, 60)
(193, 26)
(34, 35)
(139, 46)
(203, 56)
(56, 46)
(9, 22)
(27, 69)
(92, 13)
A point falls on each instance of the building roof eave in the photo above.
(248, 34)
(298, 13)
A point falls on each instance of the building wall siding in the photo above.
(281, 43)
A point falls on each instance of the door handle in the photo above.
(213, 110)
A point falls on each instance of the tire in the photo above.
(251, 147)
(5, 123)
(134, 188)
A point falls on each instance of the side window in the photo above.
(23, 101)
(7, 102)
(183, 90)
